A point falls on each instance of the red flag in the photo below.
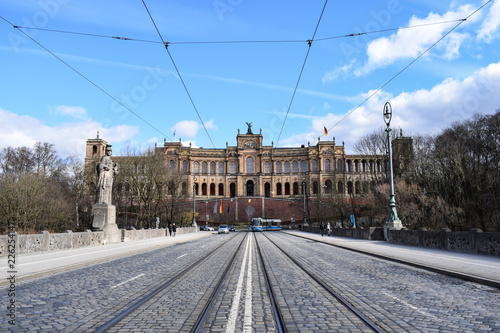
(326, 131)
(220, 210)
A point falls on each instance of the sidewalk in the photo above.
(474, 267)
(35, 265)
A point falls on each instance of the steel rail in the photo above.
(115, 320)
(344, 302)
(208, 306)
(278, 316)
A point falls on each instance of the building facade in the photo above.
(251, 169)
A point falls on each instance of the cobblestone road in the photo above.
(396, 297)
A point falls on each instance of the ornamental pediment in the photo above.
(249, 145)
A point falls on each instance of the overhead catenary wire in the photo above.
(179, 74)
(407, 66)
(89, 80)
(301, 71)
(238, 41)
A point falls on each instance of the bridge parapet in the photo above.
(474, 241)
(46, 242)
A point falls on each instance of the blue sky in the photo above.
(43, 99)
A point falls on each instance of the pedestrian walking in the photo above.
(328, 229)
(322, 228)
(170, 230)
(174, 229)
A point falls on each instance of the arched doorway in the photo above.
(250, 188)
(267, 190)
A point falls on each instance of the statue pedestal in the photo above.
(104, 218)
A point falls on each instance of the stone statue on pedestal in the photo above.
(106, 171)
(103, 212)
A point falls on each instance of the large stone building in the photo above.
(251, 169)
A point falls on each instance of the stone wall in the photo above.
(47, 242)
(358, 233)
(473, 241)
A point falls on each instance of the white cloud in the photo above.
(72, 111)
(339, 70)
(69, 138)
(189, 128)
(425, 111)
(489, 27)
(410, 43)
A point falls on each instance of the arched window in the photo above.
(232, 168)
(204, 167)
(328, 184)
(172, 165)
(212, 168)
(315, 187)
(94, 150)
(267, 167)
(249, 164)
(221, 167)
(314, 166)
(287, 188)
(204, 189)
(278, 189)
(340, 187)
(196, 188)
(278, 167)
(196, 167)
(348, 166)
(357, 187)
(287, 167)
(184, 188)
(295, 167)
(303, 166)
(349, 188)
(221, 189)
(339, 166)
(185, 166)
(267, 190)
(212, 189)
(295, 188)
(327, 165)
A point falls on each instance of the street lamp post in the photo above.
(392, 220)
(194, 204)
(304, 220)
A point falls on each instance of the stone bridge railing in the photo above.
(474, 241)
(47, 242)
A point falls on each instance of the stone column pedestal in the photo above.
(396, 224)
(104, 218)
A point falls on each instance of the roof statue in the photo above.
(249, 131)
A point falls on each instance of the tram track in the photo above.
(338, 298)
(162, 287)
(446, 272)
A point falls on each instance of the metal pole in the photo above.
(304, 221)
(393, 215)
(194, 204)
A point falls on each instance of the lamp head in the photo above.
(387, 113)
